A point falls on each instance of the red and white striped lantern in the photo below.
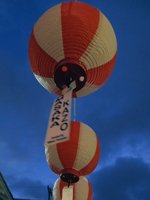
(81, 190)
(78, 156)
(72, 41)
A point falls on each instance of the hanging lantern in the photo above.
(72, 41)
(81, 190)
(78, 156)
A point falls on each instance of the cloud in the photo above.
(122, 130)
(27, 188)
(127, 179)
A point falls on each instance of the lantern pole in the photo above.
(74, 109)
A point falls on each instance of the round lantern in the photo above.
(78, 156)
(82, 190)
(72, 41)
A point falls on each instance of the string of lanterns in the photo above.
(72, 51)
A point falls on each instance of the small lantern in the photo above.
(81, 190)
(76, 157)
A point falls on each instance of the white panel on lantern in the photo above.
(67, 193)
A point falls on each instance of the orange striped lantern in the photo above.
(77, 156)
(81, 190)
(72, 41)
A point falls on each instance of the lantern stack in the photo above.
(72, 51)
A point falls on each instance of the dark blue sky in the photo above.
(119, 112)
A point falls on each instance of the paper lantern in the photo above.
(72, 41)
(81, 190)
(78, 156)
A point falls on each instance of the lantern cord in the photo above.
(74, 109)
(68, 184)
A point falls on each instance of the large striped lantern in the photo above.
(77, 156)
(72, 41)
(81, 190)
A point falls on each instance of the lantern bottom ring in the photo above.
(67, 72)
(70, 176)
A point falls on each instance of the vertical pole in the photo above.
(74, 109)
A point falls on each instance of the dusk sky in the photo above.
(119, 112)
